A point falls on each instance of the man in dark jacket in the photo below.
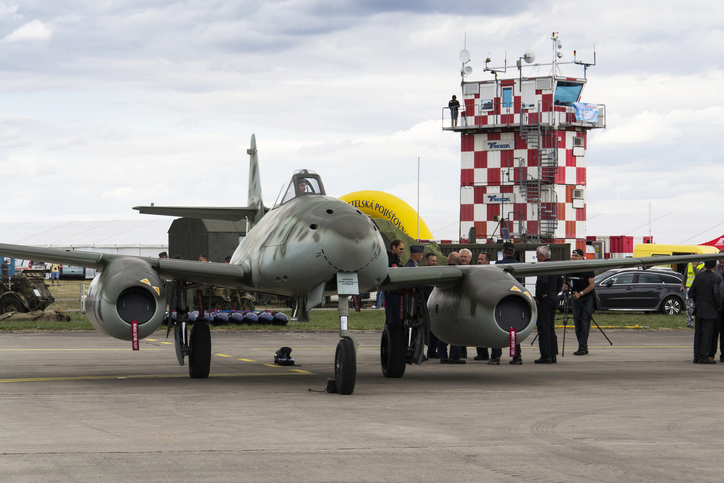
(393, 313)
(547, 288)
(707, 305)
(582, 293)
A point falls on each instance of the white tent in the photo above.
(145, 237)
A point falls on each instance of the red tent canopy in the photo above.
(717, 242)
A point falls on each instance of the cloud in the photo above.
(128, 94)
(31, 31)
(7, 10)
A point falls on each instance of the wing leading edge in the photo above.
(573, 266)
(221, 274)
(445, 276)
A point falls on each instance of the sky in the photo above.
(105, 105)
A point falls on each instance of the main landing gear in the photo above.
(404, 343)
(198, 346)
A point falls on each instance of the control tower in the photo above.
(523, 147)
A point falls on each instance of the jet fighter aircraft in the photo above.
(308, 245)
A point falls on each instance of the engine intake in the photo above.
(127, 289)
(481, 309)
(513, 313)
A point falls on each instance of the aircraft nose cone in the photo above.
(351, 242)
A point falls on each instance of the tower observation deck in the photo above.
(523, 142)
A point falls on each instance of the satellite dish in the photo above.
(559, 54)
(559, 44)
(464, 56)
(468, 70)
(529, 56)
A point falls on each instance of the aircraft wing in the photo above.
(408, 277)
(445, 276)
(573, 266)
(70, 257)
(211, 213)
(221, 274)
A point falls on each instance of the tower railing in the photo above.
(477, 116)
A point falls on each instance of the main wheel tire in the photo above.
(671, 306)
(393, 350)
(200, 351)
(11, 304)
(345, 366)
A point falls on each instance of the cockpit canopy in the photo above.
(303, 182)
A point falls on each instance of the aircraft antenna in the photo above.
(418, 198)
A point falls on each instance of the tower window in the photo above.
(507, 97)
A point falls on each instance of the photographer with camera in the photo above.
(581, 286)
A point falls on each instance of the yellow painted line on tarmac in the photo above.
(613, 326)
(167, 343)
(310, 348)
(639, 346)
(72, 350)
(223, 355)
(293, 372)
(246, 360)
(151, 340)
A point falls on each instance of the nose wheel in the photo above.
(345, 357)
(345, 366)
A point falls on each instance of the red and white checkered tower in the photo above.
(523, 152)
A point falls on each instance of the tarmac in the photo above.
(85, 407)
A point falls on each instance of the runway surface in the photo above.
(84, 407)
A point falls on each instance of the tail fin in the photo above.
(255, 199)
(253, 212)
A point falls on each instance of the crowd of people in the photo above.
(703, 286)
(579, 286)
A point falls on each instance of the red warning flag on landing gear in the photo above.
(513, 342)
(134, 335)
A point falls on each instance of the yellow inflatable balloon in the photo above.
(383, 205)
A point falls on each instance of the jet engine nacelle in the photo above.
(481, 309)
(128, 289)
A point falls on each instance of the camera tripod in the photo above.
(568, 304)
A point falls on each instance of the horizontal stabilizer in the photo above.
(211, 213)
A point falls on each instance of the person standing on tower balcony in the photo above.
(454, 105)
